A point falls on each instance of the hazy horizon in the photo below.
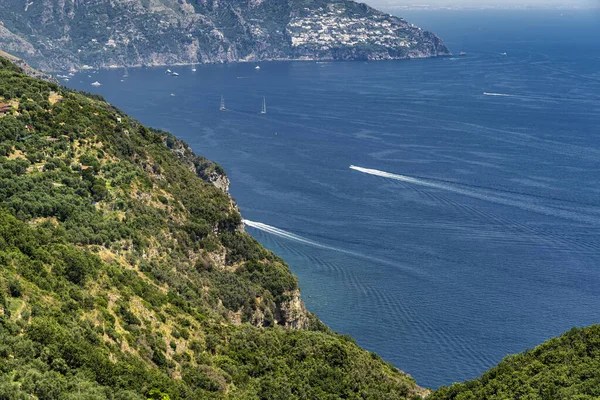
(480, 4)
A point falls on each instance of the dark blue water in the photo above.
(485, 240)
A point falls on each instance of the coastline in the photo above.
(86, 67)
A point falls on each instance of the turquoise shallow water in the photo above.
(470, 227)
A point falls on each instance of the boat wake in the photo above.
(497, 94)
(288, 235)
(523, 202)
(299, 239)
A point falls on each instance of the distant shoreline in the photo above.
(158, 65)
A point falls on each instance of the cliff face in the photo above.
(60, 35)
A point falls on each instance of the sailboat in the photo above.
(264, 106)
(222, 108)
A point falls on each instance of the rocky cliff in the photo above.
(59, 35)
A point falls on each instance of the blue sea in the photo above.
(468, 227)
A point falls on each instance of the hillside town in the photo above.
(333, 27)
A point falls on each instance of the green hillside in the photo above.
(126, 274)
(567, 367)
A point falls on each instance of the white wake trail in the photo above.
(288, 235)
(524, 204)
(497, 94)
(296, 238)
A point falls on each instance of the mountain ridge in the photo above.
(55, 35)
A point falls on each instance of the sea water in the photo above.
(443, 212)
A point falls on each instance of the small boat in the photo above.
(193, 69)
(175, 74)
(96, 83)
(168, 71)
(222, 108)
(264, 106)
(257, 67)
(503, 54)
(462, 54)
(172, 95)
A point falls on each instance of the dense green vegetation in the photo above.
(125, 274)
(567, 367)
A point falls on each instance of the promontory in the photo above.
(56, 35)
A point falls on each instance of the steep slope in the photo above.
(27, 69)
(125, 272)
(567, 367)
(58, 35)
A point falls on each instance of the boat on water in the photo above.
(175, 74)
(193, 69)
(257, 67)
(168, 71)
(503, 54)
(462, 54)
(96, 83)
(264, 106)
(222, 108)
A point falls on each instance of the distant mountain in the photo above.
(58, 35)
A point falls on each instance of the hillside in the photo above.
(125, 272)
(567, 367)
(55, 35)
(27, 69)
